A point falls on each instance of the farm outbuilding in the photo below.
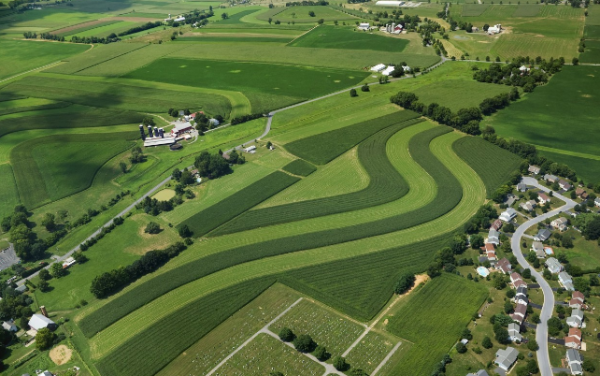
(39, 321)
(390, 3)
(378, 68)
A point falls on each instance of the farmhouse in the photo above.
(554, 265)
(576, 318)
(494, 29)
(538, 248)
(560, 223)
(577, 300)
(543, 198)
(508, 215)
(534, 169)
(39, 321)
(504, 266)
(506, 358)
(10, 326)
(581, 193)
(566, 280)
(542, 235)
(573, 340)
(575, 361)
(551, 178)
(514, 332)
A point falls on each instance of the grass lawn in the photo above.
(545, 115)
(326, 36)
(21, 56)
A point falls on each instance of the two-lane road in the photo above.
(542, 328)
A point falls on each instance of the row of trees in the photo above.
(110, 282)
(105, 231)
(137, 29)
(245, 118)
(95, 40)
(306, 3)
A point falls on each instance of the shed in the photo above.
(39, 321)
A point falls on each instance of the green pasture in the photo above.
(527, 10)
(103, 31)
(85, 27)
(335, 37)
(473, 10)
(232, 19)
(587, 166)
(299, 14)
(294, 83)
(41, 179)
(29, 104)
(592, 52)
(457, 94)
(545, 115)
(22, 56)
(273, 31)
(9, 195)
(100, 53)
(227, 39)
(442, 308)
(299, 167)
(493, 164)
(51, 17)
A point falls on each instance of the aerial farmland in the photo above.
(276, 188)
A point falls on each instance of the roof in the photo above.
(21, 288)
(9, 325)
(497, 224)
(515, 277)
(574, 332)
(543, 196)
(522, 290)
(504, 264)
(493, 233)
(490, 247)
(543, 234)
(537, 246)
(39, 321)
(45, 373)
(534, 169)
(481, 372)
(507, 356)
(561, 220)
(578, 295)
(514, 327)
(521, 309)
(550, 177)
(576, 312)
(574, 355)
(564, 276)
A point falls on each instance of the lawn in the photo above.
(545, 115)
(372, 350)
(326, 36)
(22, 56)
(291, 83)
(9, 196)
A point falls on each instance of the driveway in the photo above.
(8, 257)
(546, 313)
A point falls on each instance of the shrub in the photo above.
(353, 93)
(152, 228)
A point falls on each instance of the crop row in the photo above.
(49, 106)
(112, 95)
(324, 147)
(493, 164)
(447, 198)
(212, 217)
(299, 167)
(385, 185)
(442, 308)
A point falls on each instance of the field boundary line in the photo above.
(386, 359)
(568, 152)
(265, 329)
(31, 70)
(301, 35)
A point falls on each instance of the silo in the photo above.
(155, 131)
(150, 131)
(142, 133)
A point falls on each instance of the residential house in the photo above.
(510, 200)
(21, 289)
(521, 295)
(575, 361)
(481, 372)
(45, 373)
(10, 326)
(566, 280)
(508, 215)
(571, 214)
(576, 318)
(506, 358)
(39, 321)
(522, 187)
(534, 169)
(577, 300)
(560, 223)
(496, 225)
(597, 202)
(504, 266)
(551, 178)
(573, 340)
(538, 248)
(493, 237)
(520, 313)
(543, 198)
(490, 251)
(542, 235)
(528, 205)
(517, 280)
(564, 185)
(514, 332)
(554, 265)
(581, 193)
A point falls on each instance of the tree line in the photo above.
(306, 3)
(137, 29)
(110, 282)
(245, 118)
(95, 40)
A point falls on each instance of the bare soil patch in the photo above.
(60, 354)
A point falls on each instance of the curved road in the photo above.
(542, 328)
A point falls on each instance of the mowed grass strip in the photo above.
(323, 148)
(493, 164)
(338, 37)
(300, 167)
(449, 195)
(52, 167)
(385, 185)
(234, 205)
(100, 53)
(115, 95)
(192, 322)
(433, 319)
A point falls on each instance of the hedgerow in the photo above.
(449, 195)
(299, 167)
(210, 218)
(323, 148)
(385, 185)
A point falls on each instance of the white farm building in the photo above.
(390, 3)
(496, 29)
(387, 71)
(378, 68)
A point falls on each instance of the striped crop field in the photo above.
(299, 167)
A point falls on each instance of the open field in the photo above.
(545, 116)
(9, 196)
(97, 55)
(326, 36)
(472, 93)
(29, 104)
(299, 14)
(236, 39)
(299, 167)
(21, 56)
(103, 31)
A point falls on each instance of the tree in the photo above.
(185, 232)
(44, 339)
(535, 318)
(567, 242)
(48, 222)
(123, 167)
(353, 93)
(286, 335)
(44, 275)
(461, 348)
(554, 326)
(80, 257)
(176, 175)
(224, 16)
(320, 22)
(477, 241)
(339, 363)
(358, 372)
(466, 334)
(526, 273)
(364, 88)
(57, 270)
(532, 345)
(588, 366)
(152, 228)
(321, 353)
(509, 227)
(404, 284)
(311, 14)
(304, 343)
(487, 342)
(575, 61)
(508, 307)
(499, 283)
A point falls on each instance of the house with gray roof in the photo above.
(481, 372)
(576, 318)
(522, 187)
(564, 185)
(560, 223)
(521, 295)
(534, 169)
(538, 248)
(493, 237)
(514, 332)
(542, 235)
(554, 265)
(566, 280)
(575, 361)
(505, 358)
(528, 205)
(10, 326)
(508, 215)
(551, 178)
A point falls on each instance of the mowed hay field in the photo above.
(326, 36)
(592, 36)
(9, 196)
(541, 118)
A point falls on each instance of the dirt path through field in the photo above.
(60, 354)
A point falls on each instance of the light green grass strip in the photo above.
(568, 152)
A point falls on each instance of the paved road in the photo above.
(542, 328)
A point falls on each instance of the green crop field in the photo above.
(40, 179)
(300, 14)
(592, 52)
(545, 115)
(102, 31)
(83, 27)
(527, 10)
(295, 83)
(442, 308)
(207, 220)
(22, 56)
(299, 167)
(29, 104)
(473, 10)
(9, 195)
(235, 18)
(341, 37)
(233, 39)
(99, 54)
(472, 93)
(491, 163)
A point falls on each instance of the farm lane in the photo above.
(548, 306)
(264, 134)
